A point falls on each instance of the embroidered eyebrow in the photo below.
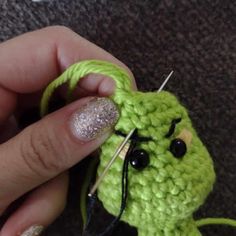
(134, 137)
(172, 127)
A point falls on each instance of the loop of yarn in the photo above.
(79, 70)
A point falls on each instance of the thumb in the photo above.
(54, 144)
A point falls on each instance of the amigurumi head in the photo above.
(163, 192)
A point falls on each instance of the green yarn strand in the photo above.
(84, 190)
(216, 221)
(79, 70)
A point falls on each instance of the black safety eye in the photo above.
(139, 159)
(178, 147)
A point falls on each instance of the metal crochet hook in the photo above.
(116, 154)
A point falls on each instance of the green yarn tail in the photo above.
(81, 69)
(85, 187)
(216, 221)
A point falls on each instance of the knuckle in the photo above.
(40, 153)
(60, 30)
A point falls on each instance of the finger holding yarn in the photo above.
(79, 70)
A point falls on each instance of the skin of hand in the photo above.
(35, 160)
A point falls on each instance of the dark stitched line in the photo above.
(172, 127)
(124, 190)
(134, 137)
(124, 194)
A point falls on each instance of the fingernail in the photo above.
(34, 230)
(95, 119)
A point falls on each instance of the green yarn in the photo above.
(84, 189)
(163, 197)
(216, 221)
(79, 70)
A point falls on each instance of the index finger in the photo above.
(29, 62)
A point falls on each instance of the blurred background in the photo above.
(196, 39)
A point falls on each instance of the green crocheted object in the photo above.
(163, 196)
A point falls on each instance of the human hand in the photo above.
(35, 160)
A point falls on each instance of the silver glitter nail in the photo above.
(94, 119)
(34, 230)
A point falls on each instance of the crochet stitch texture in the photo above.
(163, 196)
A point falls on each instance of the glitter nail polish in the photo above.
(34, 230)
(94, 119)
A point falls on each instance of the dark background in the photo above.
(197, 39)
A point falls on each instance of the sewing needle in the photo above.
(119, 149)
(165, 82)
